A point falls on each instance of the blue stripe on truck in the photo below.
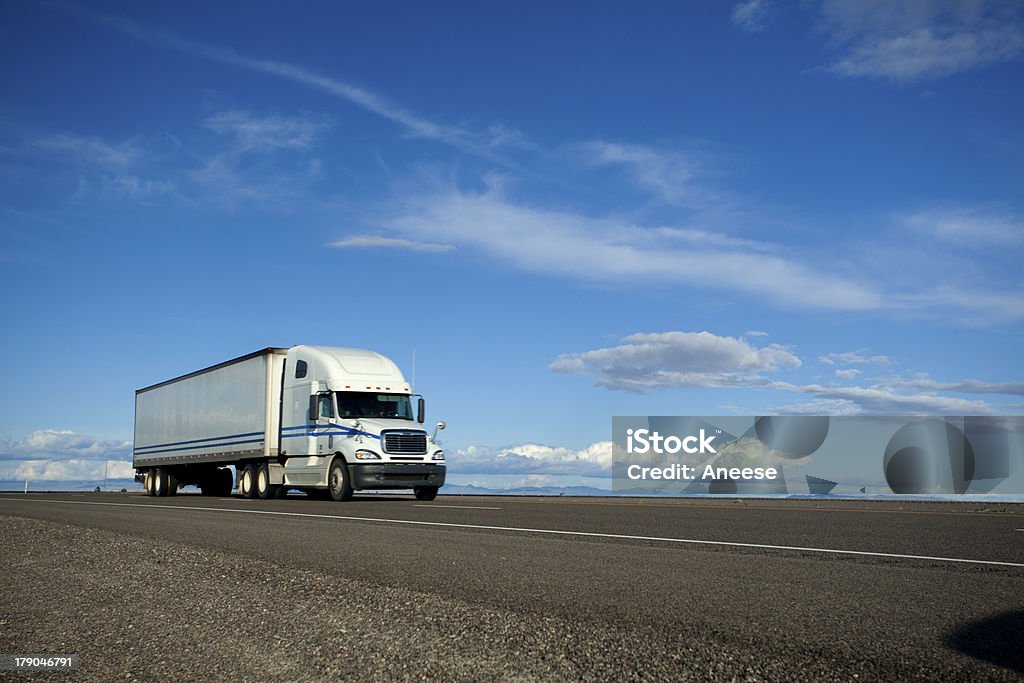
(215, 441)
(311, 430)
(211, 438)
(189, 448)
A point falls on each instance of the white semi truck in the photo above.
(320, 419)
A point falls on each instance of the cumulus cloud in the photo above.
(534, 459)
(924, 39)
(376, 241)
(53, 443)
(63, 455)
(702, 359)
(74, 469)
(665, 359)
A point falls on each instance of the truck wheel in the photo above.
(172, 484)
(337, 481)
(247, 484)
(147, 482)
(425, 492)
(159, 482)
(263, 487)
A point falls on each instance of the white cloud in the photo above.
(756, 333)
(751, 15)
(376, 241)
(967, 386)
(687, 359)
(670, 175)
(134, 187)
(74, 469)
(93, 151)
(877, 400)
(819, 406)
(265, 159)
(972, 227)
(51, 443)
(267, 132)
(482, 144)
(52, 455)
(922, 39)
(855, 358)
(648, 361)
(597, 249)
(534, 459)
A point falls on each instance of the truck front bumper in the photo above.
(396, 475)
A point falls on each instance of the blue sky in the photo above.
(570, 211)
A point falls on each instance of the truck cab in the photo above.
(350, 421)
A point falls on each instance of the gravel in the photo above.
(137, 608)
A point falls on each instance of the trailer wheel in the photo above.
(147, 482)
(247, 484)
(337, 481)
(172, 484)
(425, 492)
(263, 487)
(159, 482)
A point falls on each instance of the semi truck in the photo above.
(323, 420)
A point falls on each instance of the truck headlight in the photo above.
(438, 455)
(366, 455)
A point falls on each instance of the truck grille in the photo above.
(404, 442)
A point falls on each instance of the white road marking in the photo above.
(551, 532)
(461, 507)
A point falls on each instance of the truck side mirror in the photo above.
(314, 408)
(421, 410)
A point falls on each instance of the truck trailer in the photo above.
(319, 419)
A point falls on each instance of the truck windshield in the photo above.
(367, 404)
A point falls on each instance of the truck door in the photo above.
(325, 420)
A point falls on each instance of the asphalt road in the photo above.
(514, 588)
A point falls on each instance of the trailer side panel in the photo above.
(222, 414)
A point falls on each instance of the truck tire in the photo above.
(172, 484)
(159, 482)
(264, 489)
(425, 492)
(247, 483)
(338, 483)
(147, 482)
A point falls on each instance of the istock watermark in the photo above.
(873, 456)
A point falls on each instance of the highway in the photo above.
(500, 588)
